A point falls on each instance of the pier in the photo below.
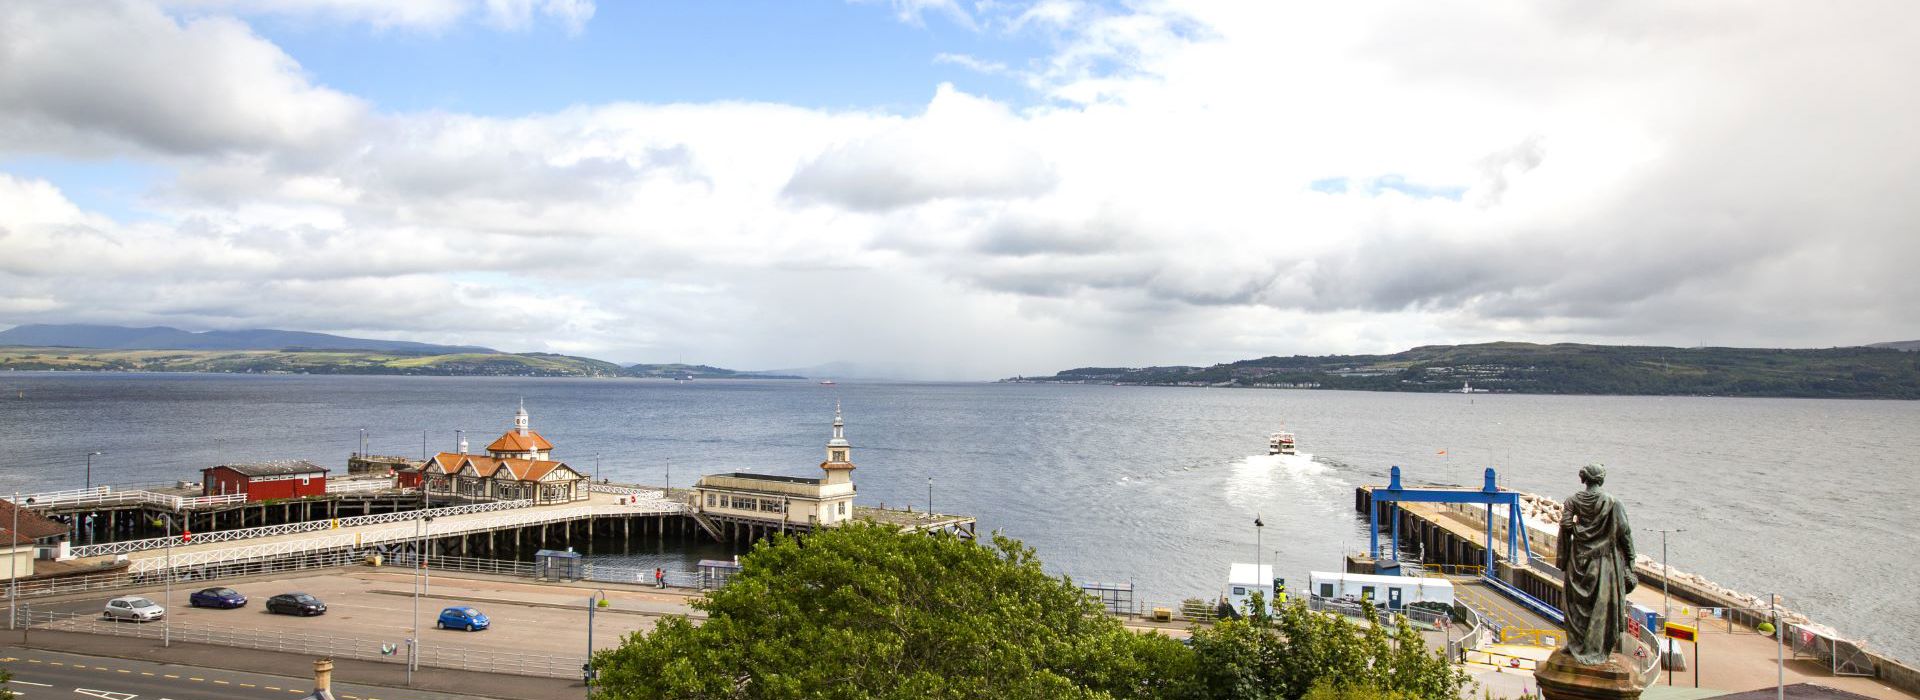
(1501, 563)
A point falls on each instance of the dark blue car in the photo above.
(462, 618)
(225, 598)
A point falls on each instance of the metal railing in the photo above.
(1417, 616)
(619, 490)
(502, 567)
(130, 546)
(307, 644)
(131, 579)
(1650, 651)
(107, 495)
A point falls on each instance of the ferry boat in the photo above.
(826, 382)
(1280, 443)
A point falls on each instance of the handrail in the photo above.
(104, 495)
(130, 546)
(360, 538)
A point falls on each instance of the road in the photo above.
(50, 674)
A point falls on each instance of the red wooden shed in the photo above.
(266, 480)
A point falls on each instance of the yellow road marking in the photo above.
(168, 675)
(191, 678)
(146, 673)
(273, 687)
(121, 670)
(221, 682)
(34, 661)
(246, 685)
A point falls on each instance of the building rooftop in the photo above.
(513, 441)
(276, 468)
(32, 525)
(770, 477)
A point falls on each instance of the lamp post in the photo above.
(1666, 602)
(363, 442)
(166, 618)
(13, 579)
(90, 456)
(419, 572)
(596, 466)
(1257, 527)
(1780, 646)
(929, 496)
(587, 670)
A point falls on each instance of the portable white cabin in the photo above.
(1387, 591)
(1245, 579)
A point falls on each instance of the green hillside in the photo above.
(305, 362)
(1854, 372)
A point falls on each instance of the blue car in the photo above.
(469, 619)
(224, 598)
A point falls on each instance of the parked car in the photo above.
(134, 608)
(296, 604)
(223, 598)
(462, 618)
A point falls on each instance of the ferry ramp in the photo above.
(1517, 625)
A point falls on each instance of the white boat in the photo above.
(826, 382)
(1280, 443)
(1467, 388)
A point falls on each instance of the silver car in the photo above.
(134, 608)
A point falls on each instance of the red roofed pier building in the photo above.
(519, 465)
(263, 481)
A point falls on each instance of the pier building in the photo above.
(758, 499)
(265, 481)
(518, 466)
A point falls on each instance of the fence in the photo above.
(130, 546)
(363, 486)
(500, 567)
(294, 642)
(619, 490)
(106, 495)
(186, 574)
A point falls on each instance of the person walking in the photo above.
(659, 577)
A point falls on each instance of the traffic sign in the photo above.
(1682, 632)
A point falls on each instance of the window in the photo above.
(709, 500)
(843, 507)
(1239, 590)
(1366, 592)
(839, 455)
(1326, 590)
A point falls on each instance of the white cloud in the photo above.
(1636, 173)
(102, 77)
(427, 15)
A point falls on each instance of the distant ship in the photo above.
(826, 382)
(1280, 443)
(684, 378)
(1467, 388)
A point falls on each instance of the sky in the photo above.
(965, 189)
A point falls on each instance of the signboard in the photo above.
(1682, 632)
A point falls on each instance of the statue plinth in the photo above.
(1560, 677)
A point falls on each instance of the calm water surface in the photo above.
(1810, 498)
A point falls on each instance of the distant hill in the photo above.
(1907, 345)
(679, 371)
(306, 362)
(1527, 368)
(164, 338)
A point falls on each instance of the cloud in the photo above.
(153, 83)
(1189, 183)
(962, 147)
(425, 15)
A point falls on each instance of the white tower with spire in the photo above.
(839, 464)
(520, 419)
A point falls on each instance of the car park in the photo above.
(296, 604)
(463, 618)
(222, 598)
(134, 608)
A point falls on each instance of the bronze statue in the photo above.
(1596, 557)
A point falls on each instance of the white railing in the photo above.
(306, 644)
(131, 546)
(360, 485)
(619, 490)
(362, 538)
(106, 495)
(128, 579)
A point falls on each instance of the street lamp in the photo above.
(587, 670)
(1257, 527)
(419, 572)
(929, 496)
(1666, 603)
(90, 456)
(166, 618)
(13, 579)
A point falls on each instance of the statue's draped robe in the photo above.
(1596, 552)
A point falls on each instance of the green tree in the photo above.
(1287, 653)
(6, 684)
(864, 611)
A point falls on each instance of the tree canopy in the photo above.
(864, 611)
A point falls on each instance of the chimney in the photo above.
(323, 678)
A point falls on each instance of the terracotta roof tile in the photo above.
(515, 442)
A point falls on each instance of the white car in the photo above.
(134, 608)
